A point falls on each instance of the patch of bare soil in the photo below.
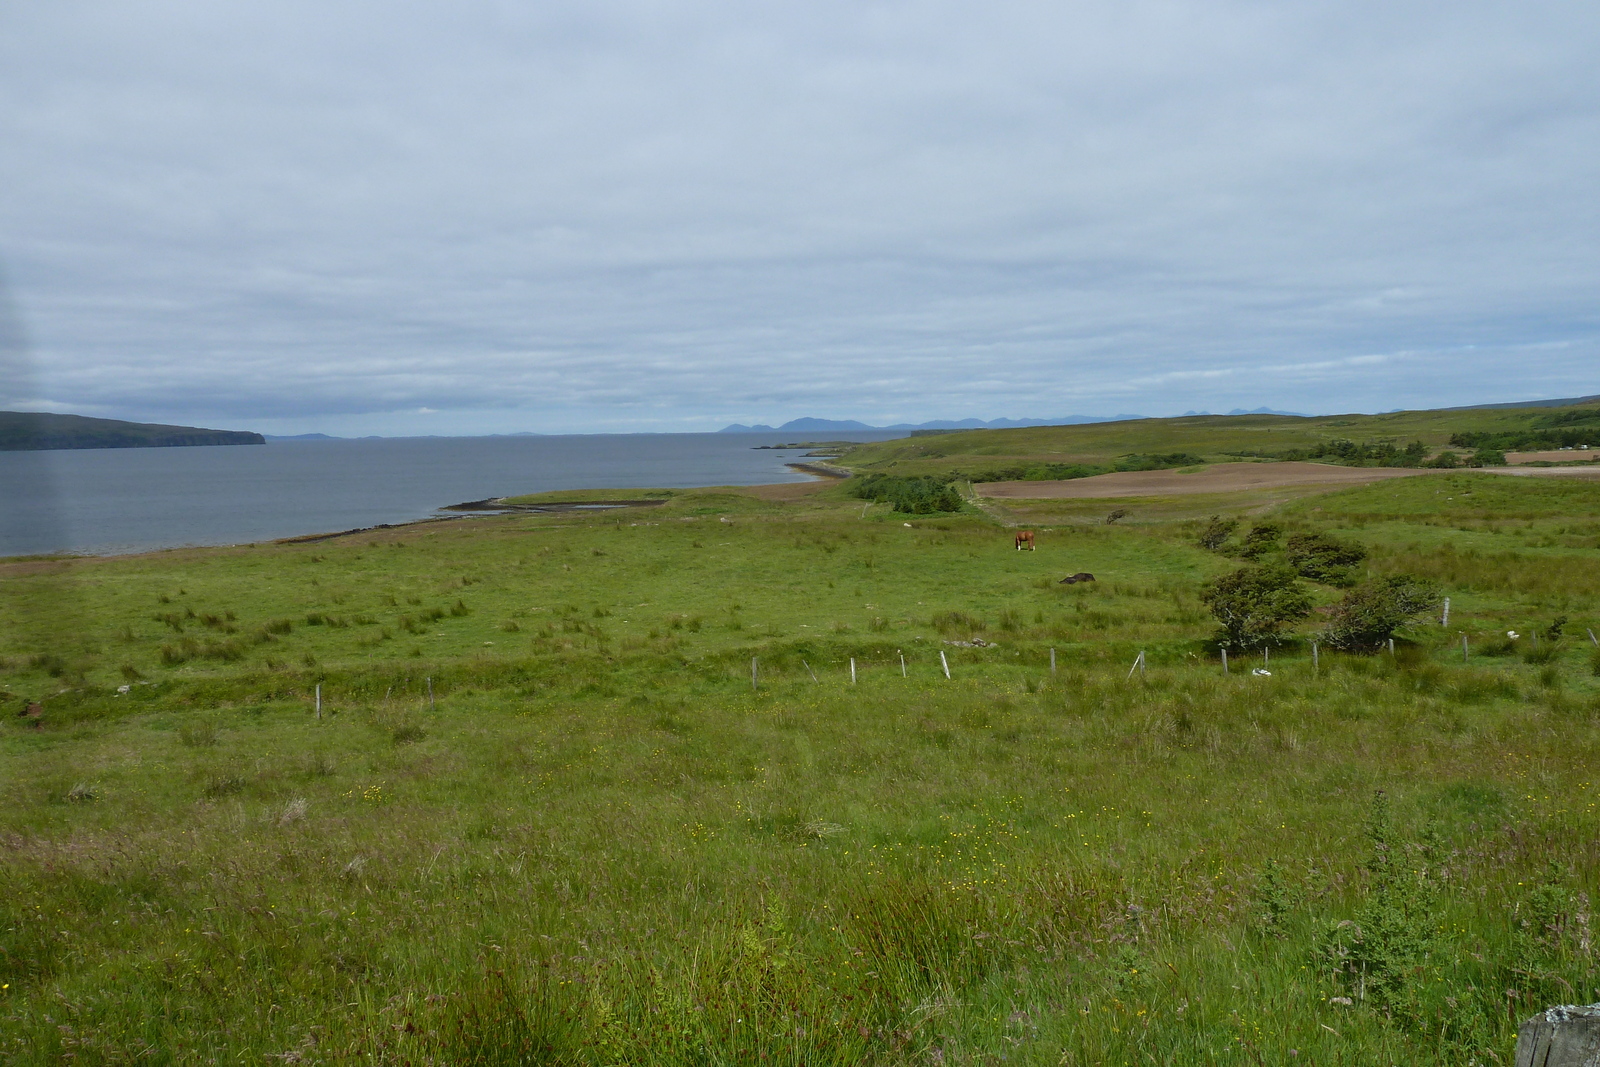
(1217, 478)
(1576, 455)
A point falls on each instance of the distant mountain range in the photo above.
(832, 425)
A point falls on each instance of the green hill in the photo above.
(1220, 438)
(22, 431)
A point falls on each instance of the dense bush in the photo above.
(913, 496)
(1322, 558)
(1262, 538)
(1371, 613)
(1352, 454)
(1255, 604)
(1039, 472)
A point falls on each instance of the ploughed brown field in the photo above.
(1218, 478)
(1557, 455)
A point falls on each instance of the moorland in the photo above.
(796, 775)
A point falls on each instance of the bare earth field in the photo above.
(1554, 456)
(1220, 478)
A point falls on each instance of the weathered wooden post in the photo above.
(852, 670)
(1446, 620)
(809, 671)
(319, 700)
(902, 662)
(431, 706)
(1463, 648)
(1567, 1035)
(1593, 639)
(1052, 661)
(944, 663)
(753, 684)
(1316, 664)
(1391, 646)
(1224, 661)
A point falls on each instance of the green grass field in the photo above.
(1212, 437)
(545, 816)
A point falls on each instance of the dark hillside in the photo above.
(34, 430)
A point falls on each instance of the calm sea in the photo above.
(112, 500)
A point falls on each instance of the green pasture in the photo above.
(546, 816)
(1214, 437)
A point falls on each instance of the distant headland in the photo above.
(30, 431)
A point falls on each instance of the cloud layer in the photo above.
(632, 215)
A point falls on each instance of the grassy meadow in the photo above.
(546, 817)
(1216, 438)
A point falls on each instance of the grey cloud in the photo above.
(629, 214)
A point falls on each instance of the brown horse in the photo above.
(1025, 537)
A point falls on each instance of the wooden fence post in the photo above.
(319, 700)
(1052, 661)
(431, 705)
(1595, 640)
(1224, 661)
(809, 671)
(1316, 664)
(753, 683)
(1446, 620)
(1563, 1036)
(902, 662)
(945, 663)
(1463, 648)
(852, 670)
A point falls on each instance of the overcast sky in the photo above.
(478, 217)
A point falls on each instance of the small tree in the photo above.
(1322, 558)
(1262, 538)
(1487, 457)
(1254, 604)
(1370, 613)
(1217, 532)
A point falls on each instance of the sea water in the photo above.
(116, 500)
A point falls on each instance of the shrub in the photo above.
(1254, 604)
(1371, 613)
(1262, 538)
(1381, 954)
(1217, 532)
(1158, 461)
(913, 496)
(1487, 457)
(1322, 558)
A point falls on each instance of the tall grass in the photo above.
(600, 844)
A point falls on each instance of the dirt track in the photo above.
(1219, 478)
